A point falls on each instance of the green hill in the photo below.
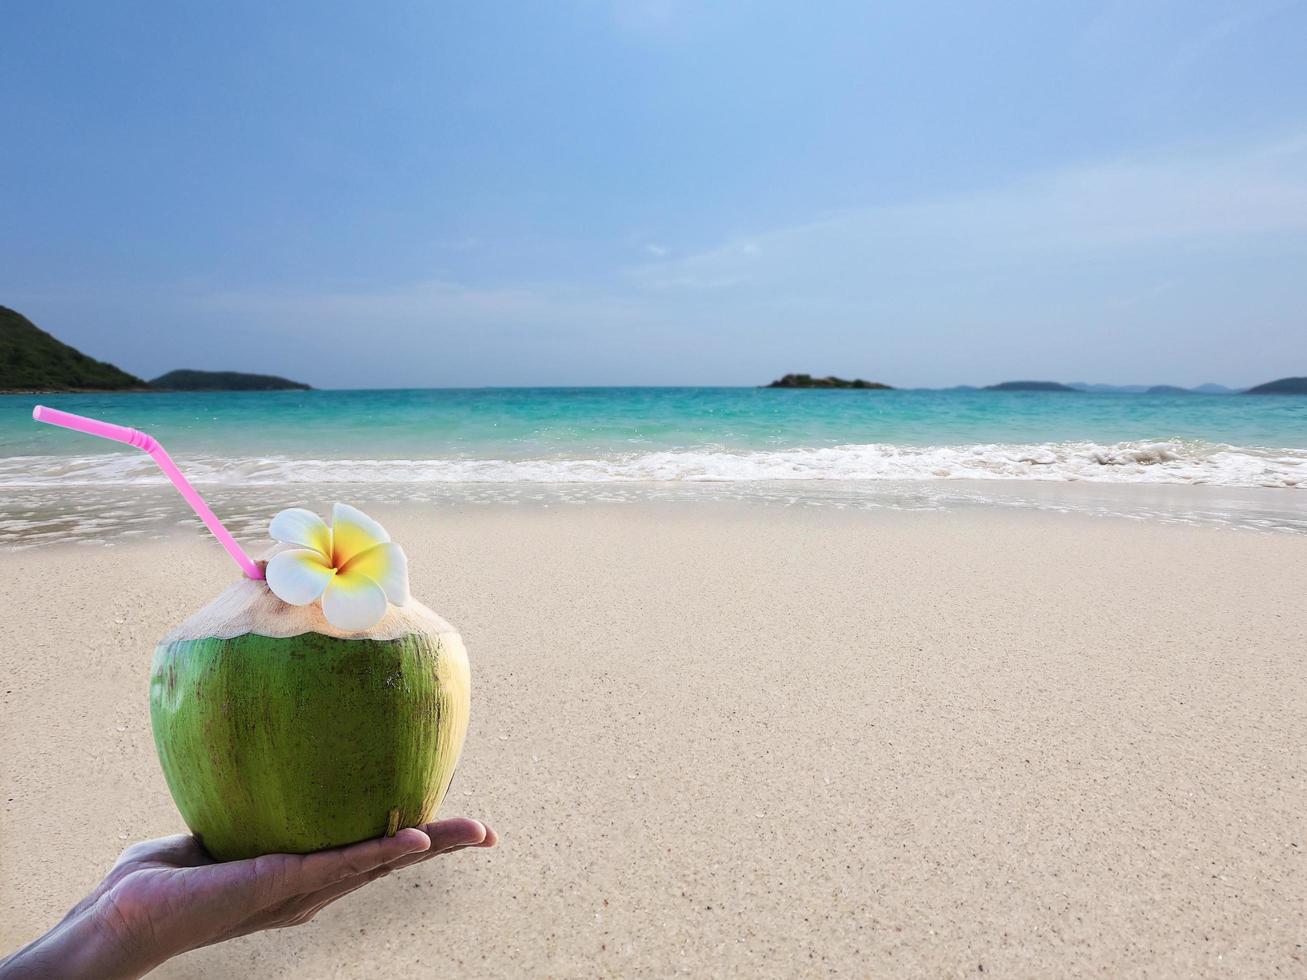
(186, 380)
(1285, 386)
(32, 360)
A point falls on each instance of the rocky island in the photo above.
(808, 381)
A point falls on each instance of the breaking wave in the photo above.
(1173, 462)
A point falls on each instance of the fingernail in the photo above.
(414, 840)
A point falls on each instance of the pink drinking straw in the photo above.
(138, 439)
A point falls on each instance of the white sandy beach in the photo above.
(728, 740)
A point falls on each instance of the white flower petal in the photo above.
(352, 533)
(298, 576)
(298, 526)
(385, 564)
(353, 602)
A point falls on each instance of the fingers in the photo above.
(458, 832)
(328, 867)
(446, 836)
(300, 875)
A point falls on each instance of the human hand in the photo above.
(166, 896)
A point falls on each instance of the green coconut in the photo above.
(280, 734)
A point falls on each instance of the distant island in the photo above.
(808, 381)
(188, 380)
(1101, 389)
(1029, 386)
(1285, 386)
(32, 360)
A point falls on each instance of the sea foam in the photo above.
(1152, 462)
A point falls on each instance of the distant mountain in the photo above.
(186, 380)
(1285, 386)
(808, 381)
(32, 360)
(1029, 386)
(1100, 389)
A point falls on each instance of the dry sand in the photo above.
(734, 740)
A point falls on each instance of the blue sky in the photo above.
(662, 192)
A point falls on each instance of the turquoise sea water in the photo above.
(1209, 459)
(598, 434)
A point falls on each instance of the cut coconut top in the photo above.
(249, 606)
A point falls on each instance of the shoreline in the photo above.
(34, 518)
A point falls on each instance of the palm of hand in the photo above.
(166, 896)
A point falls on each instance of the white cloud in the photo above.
(1119, 206)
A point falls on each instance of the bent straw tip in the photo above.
(150, 445)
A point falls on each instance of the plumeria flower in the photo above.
(351, 565)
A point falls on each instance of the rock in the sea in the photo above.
(808, 381)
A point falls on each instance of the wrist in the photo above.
(80, 946)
